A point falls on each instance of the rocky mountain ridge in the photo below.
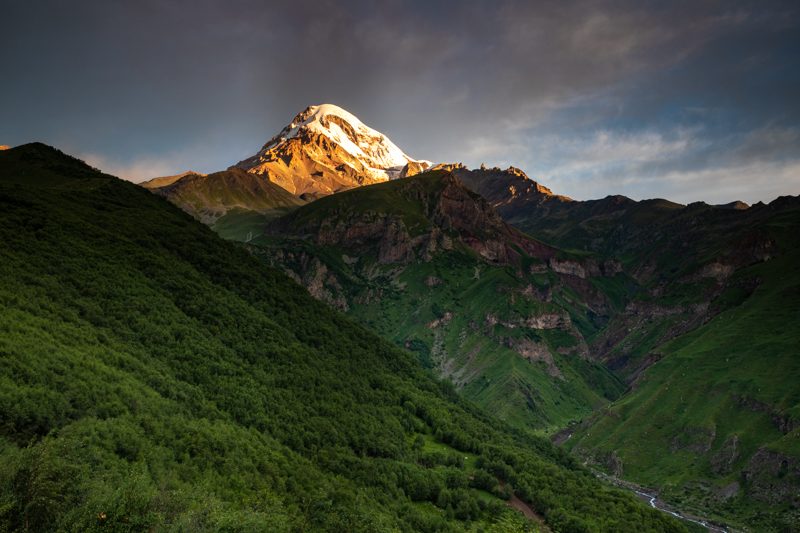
(324, 150)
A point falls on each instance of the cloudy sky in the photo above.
(694, 100)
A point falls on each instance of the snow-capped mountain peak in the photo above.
(350, 133)
(329, 149)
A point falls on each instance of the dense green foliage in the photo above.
(154, 376)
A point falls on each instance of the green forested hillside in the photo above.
(156, 377)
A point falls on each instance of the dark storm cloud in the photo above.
(685, 100)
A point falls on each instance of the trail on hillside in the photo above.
(515, 503)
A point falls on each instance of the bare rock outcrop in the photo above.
(535, 352)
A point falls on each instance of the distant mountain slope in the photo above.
(430, 265)
(326, 149)
(163, 181)
(156, 377)
(231, 201)
(680, 259)
(677, 257)
(511, 192)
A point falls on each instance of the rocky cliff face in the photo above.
(510, 192)
(773, 477)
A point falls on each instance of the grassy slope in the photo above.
(156, 377)
(247, 224)
(600, 225)
(734, 376)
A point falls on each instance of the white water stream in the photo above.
(703, 523)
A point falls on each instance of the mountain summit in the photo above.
(326, 149)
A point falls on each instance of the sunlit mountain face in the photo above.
(487, 266)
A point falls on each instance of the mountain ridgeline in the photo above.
(656, 341)
(323, 150)
(158, 377)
